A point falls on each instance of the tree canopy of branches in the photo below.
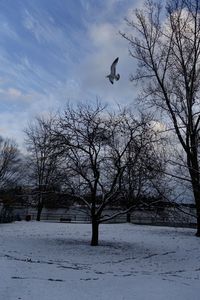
(10, 170)
(167, 50)
(100, 150)
(43, 161)
(144, 165)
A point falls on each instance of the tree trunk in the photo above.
(194, 174)
(95, 232)
(198, 224)
(40, 207)
(197, 202)
(128, 218)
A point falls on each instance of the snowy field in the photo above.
(47, 261)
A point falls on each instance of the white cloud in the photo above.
(102, 34)
(7, 30)
(38, 27)
(15, 93)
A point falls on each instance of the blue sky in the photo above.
(54, 51)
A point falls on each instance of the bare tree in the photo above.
(43, 161)
(96, 145)
(167, 49)
(10, 174)
(145, 165)
(10, 163)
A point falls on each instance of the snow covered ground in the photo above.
(47, 261)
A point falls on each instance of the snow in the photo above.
(40, 260)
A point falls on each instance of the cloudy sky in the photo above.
(54, 51)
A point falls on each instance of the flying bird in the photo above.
(113, 76)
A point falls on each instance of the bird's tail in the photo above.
(117, 77)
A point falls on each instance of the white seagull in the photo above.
(113, 76)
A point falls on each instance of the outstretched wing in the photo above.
(111, 80)
(113, 66)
